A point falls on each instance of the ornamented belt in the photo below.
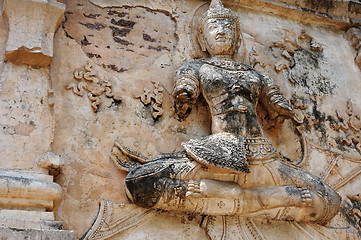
(259, 149)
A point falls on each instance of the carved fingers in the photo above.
(285, 110)
(184, 94)
(186, 89)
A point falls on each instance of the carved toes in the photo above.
(306, 198)
(194, 189)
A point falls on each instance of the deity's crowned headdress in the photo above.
(217, 10)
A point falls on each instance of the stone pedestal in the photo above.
(34, 234)
(27, 200)
(20, 224)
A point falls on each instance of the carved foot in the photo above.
(207, 188)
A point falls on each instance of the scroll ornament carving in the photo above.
(90, 84)
(350, 124)
(155, 98)
(289, 46)
(302, 116)
(353, 210)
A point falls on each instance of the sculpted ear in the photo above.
(202, 42)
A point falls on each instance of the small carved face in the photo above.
(219, 36)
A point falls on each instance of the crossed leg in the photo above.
(302, 196)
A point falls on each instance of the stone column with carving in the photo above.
(28, 193)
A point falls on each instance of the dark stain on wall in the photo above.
(97, 26)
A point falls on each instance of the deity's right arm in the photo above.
(187, 88)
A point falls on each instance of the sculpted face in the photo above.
(219, 36)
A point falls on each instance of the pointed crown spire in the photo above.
(217, 10)
(216, 4)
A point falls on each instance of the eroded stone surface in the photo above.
(86, 139)
(132, 44)
(22, 234)
(130, 36)
(31, 25)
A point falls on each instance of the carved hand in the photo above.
(184, 94)
(285, 110)
(185, 97)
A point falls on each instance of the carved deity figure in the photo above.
(235, 170)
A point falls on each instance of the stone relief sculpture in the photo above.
(350, 124)
(93, 86)
(235, 171)
(156, 98)
(289, 47)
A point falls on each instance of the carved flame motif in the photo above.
(352, 210)
(350, 124)
(156, 97)
(290, 45)
(92, 86)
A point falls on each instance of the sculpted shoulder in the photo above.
(190, 68)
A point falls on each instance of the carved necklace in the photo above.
(227, 64)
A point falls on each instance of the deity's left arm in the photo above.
(273, 100)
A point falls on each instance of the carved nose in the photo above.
(221, 30)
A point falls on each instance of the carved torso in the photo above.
(232, 92)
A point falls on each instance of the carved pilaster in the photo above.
(28, 193)
(32, 25)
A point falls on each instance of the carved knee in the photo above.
(147, 192)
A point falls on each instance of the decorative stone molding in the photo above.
(32, 190)
(28, 190)
(331, 13)
(32, 25)
(28, 198)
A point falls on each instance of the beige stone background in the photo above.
(154, 42)
(131, 44)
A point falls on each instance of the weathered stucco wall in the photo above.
(110, 82)
(132, 43)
